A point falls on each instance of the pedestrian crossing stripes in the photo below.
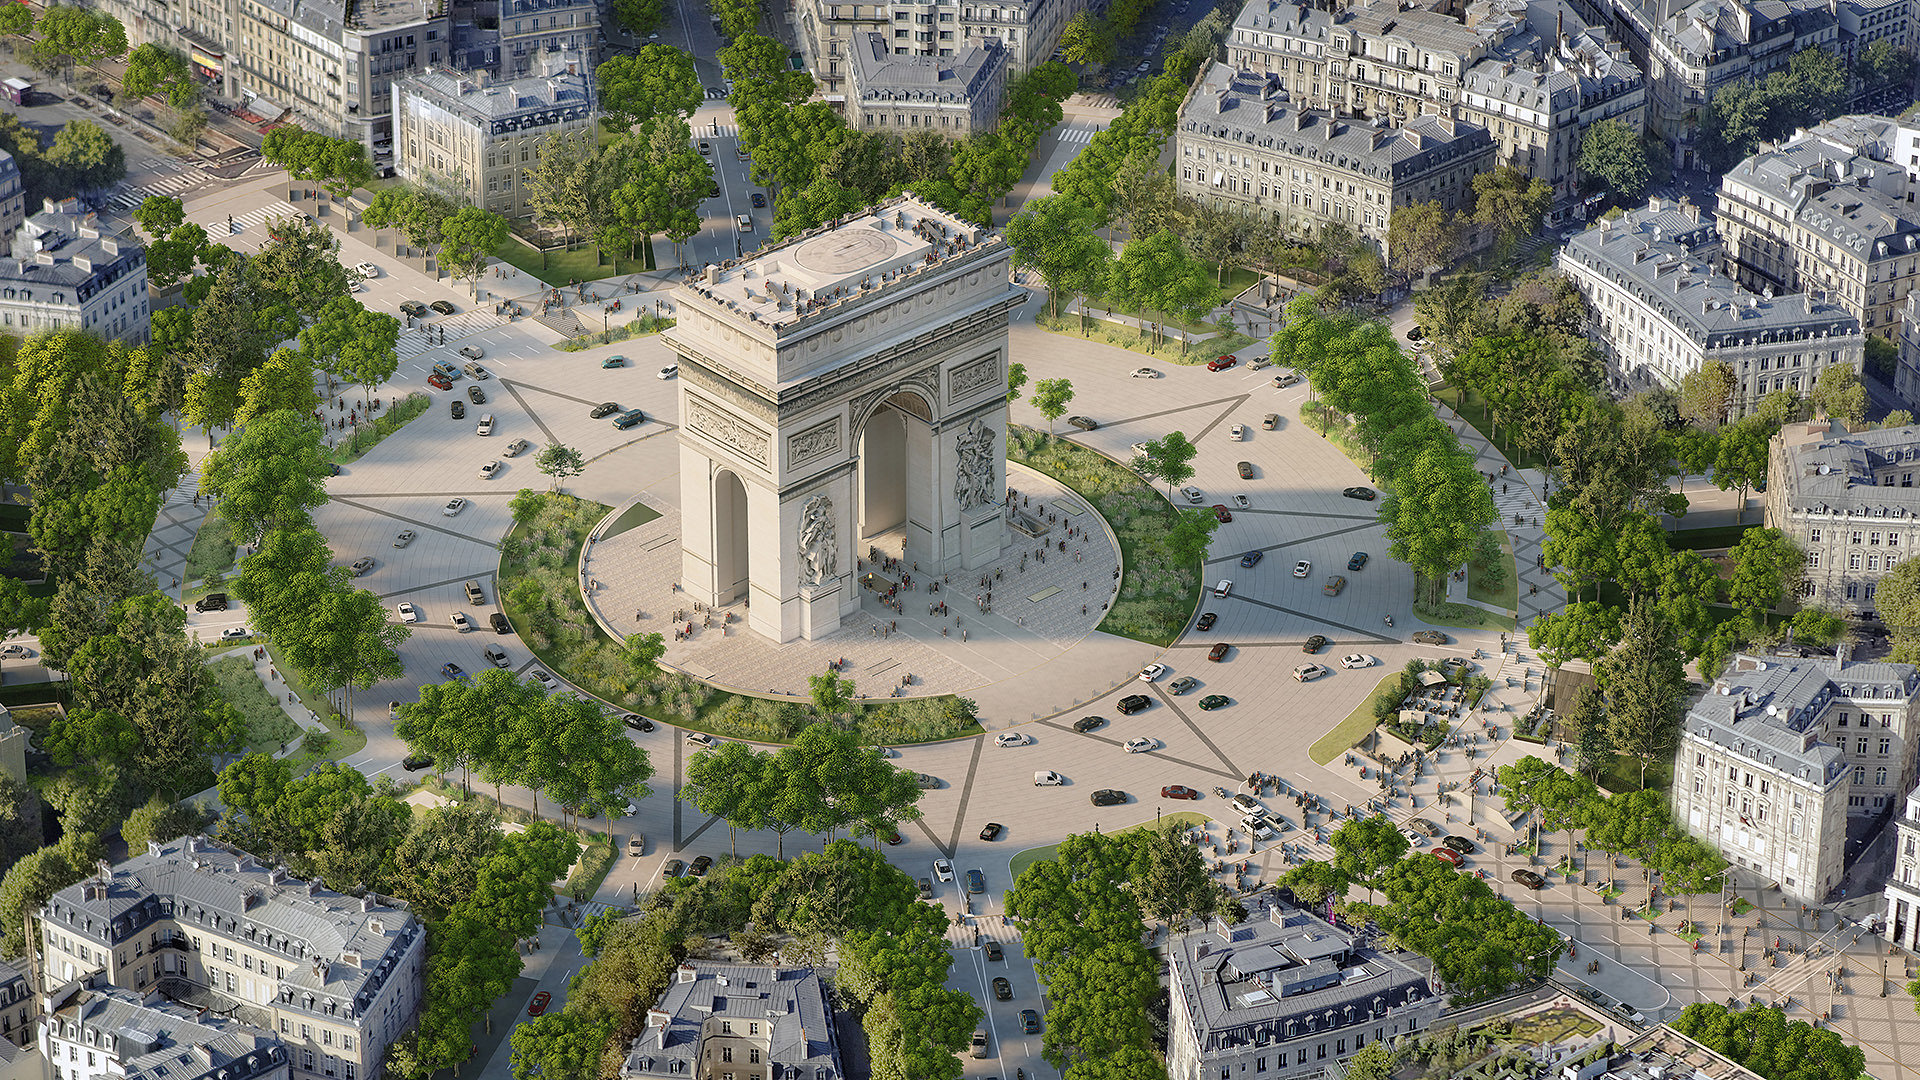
(172, 184)
(1076, 135)
(417, 342)
(187, 488)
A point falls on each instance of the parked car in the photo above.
(1218, 652)
(1424, 827)
(943, 869)
(1460, 844)
(1247, 804)
(1193, 495)
(1364, 494)
(1530, 879)
(499, 623)
(636, 722)
(628, 419)
(1429, 637)
(1212, 702)
(444, 307)
(213, 601)
(547, 682)
(476, 395)
(701, 740)
(671, 371)
(1449, 856)
(991, 831)
(1222, 363)
(926, 781)
(1308, 672)
(473, 352)
(672, 868)
(926, 889)
(605, 408)
(700, 865)
(976, 882)
(416, 762)
(413, 308)
(1084, 423)
(235, 633)
(1358, 560)
(440, 382)
(1285, 379)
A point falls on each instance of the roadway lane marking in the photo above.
(966, 794)
(1291, 543)
(1368, 634)
(1228, 401)
(1233, 771)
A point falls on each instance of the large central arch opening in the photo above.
(729, 537)
(896, 477)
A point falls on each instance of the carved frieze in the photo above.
(727, 430)
(969, 377)
(821, 440)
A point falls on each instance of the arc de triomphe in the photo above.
(845, 384)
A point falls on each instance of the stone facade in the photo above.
(13, 197)
(1902, 914)
(1659, 310)
(719, 1020)
(956, 96)
(840, 385)
(829, 31)
(73, 269)
(461, 132)
(143, 1036)
(1849, 502)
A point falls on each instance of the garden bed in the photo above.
(368, 436)
(1157, 595)
(213, 548)
(269, 728)
(1362, 720)
(638, 327)
(1141, 341)
(1505, 595)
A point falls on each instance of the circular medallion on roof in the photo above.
(845, 251)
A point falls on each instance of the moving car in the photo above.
(473, 352)
(213, 601)
(605, 408)
(1285, 379)
(416, 762)
(976, 882)
(1183, 684)
(516, 448)
(1218, 652)
(943, 869)
(1193, 495)
(499, 623)
(701, 739)
(1364, 494)
(1270, 421)
(235, 633)
(1302, 568)
(1237, 433)
(453, 507)
(1314, 644)
(991, 831)
(485, 426)
(455, 409)
(1429, 637)
(1010, 738)
(978, 1047)
(1424, 827)
(1047, 778)
(1178, 791)
(1240, 500)
(412, 307)
(1002, 989)
(444, 307)
(476, 395)
(1140, 744)
(993, 951)
(1029, 1021)
(700, 866)
(460, 621)
(452, 671)
(1221, 513)
(1108, 797)
(1530, 879)
(1245, 469)
(706, 148)
(1247, 804)
(1152, 672)
(1222, 363)
(361, 566)
(443, 367)
(1133, 703)
(759, 201)
(1258, 827)
(1358, 560)
(1308, 672)
(441, 382)
(614, 362)
(1145, 373)
(894, 839)
(366, 270)
(1224, 587)
(1460, 844)
(1089, 723)
(546, 681)
(495, 655)
(926, 889)
(539, 1003)
(489, 469)
(1252, 558)
(408, 613)
(926, 782)
(636, 722)
(1212, 702)
(14, 651)
(637, 844)
(1334, 585)
(629, 418)
(1084, 423)
(1207, 619)
(1449, 856)
(1356, 660)
(669, 372)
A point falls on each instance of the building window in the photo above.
(1859, 774)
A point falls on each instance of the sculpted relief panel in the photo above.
(726, 429)
(971, 376)
(813, 443)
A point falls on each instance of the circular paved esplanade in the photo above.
(844, 488)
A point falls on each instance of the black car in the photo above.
(713, 191)
(1314, 643)
(412, 307)
(1358, 561)
(1089, 723)
(1530, 879)
(1460, 844)
(416, 762)
(605, 408)
(213, 601)
(442, 306)
(976, 882)
(1364, 494)
(1252, 558)
(1084, 423)
(993, 951)
(1108, 797)
(499, 623)
(992, 831)
(1133, 703)
(1207, 619)
(700, 866)
(1002, 989)
(636, 721)
(672, 868)
(1246, 470)
(759, 200)
(1416, 332)
(457, 409)
(629, 418)
(476, 395)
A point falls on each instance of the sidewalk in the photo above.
(1523, 514)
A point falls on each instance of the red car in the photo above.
(1218, 652)
(1222, 513)
(539, 1004)
(1449, 856)
(1222, 363)
(439, 381)
(1178, 791)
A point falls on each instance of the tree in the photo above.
(228, 342)
(559, 461)
(283, 383)
(1898, 602)
(562, 1045)
(1168, 458)
(659, 79)
(1086, 40)
(33, 880)
(271, 476)
(1050, 398)
(831, 694)
(562, 185)
(1742, 458)
(338, 165)
(1507, 201)
(16, 21)
(1191, 535)
(353, 343)
(1055, 235)
(1883, 63)
(1761, 1038)
(417, 212)
(1614, 158)
(1644, 681)
(1838, 393)
(85, 158)
(638, 16)
(1364, 847)
(1419, 236)
(722, 782)
(1765, 566)
(1315, 883)
(152, 67)
(74, 34)
(737, 18)
(1016, 378)
(468, 240)
(1706, 393)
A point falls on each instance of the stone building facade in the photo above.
(956, 96)
(1848, 500)
(74, 269)
(466, 133)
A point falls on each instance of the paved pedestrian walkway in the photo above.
(1523, 514)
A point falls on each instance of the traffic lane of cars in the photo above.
(1008, 1045)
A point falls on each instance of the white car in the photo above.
(1140, 744)
(1414, 839)
(1048, 778)
(404, 538)
(1152, 672)
(488, 470)
(1225, 587)
(1247, 804)
(1139, 449)
(694, 738)
(1145, 373)
(1355, 660)
(485, 426)
(1260, 828)
(668, 372)
(1308, 672)
(408, 613)
(461, 622)
(546, 681)
(235, 633)
(1302, 568)
(943, 870)
(1238, 433)
(1193, 494)
(367, 270)
(454, 506)
(14, 651)
(1240, 500)
(1010, 738)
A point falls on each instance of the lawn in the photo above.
(631, 518)
(1549, 1026)
(1506, 595)
(366, 438)
(1622, 773)
(1461, 615)
(268, 726)
(1348, 733)
(1239, 280)
(1126, 337)
(581, 263)
(213, 548)
(1724, 536)
(1474, 411)
(1186, 818)
(340, 741)
(1157, 595)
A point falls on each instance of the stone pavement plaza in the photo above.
(1040, 612)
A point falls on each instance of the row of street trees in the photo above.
(464, 237)
(1638, 824)
(825, 781)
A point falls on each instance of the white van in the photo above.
(1047, 778)
(486, 425)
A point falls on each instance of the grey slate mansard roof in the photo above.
(501, 100)
(81, 263)
(1257, 977)
(1825, 182)
(1252, 110)
(155, 1039)
(1766, 708)
(882, 76)
(340, 950)
(1837, 473)
(793, 1000)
